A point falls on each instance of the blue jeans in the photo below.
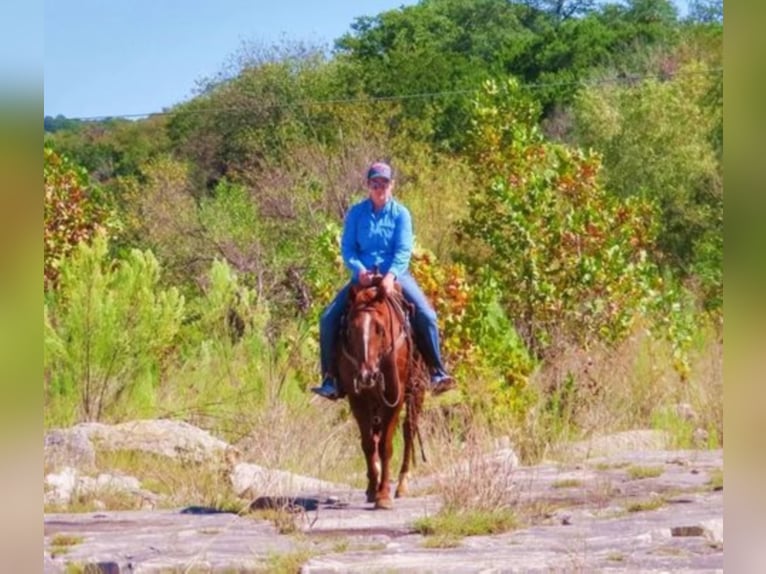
(424, 322)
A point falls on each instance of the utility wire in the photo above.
(623, 78)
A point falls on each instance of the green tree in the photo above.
(107, 330)
(438, 51)
(574, 261)
(657, 142)
(74, 211)
(706, 11)
(112, 148)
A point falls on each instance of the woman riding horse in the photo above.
(377, 236)
(380, 371)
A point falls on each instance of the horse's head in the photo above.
(369, 333)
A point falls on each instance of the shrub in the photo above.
(107, 330)
(74, 211)
(573, 261)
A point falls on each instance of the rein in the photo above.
(394, 302)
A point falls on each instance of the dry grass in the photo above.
(178, 482)
(61, 543)
(290, 562)
(605, 390)
(468, 472)
(476, 486)
(320, 439)
(566, 483)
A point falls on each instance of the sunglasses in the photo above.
(378, 183)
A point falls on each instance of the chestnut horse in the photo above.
(380, 370)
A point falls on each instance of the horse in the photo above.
(380, 370)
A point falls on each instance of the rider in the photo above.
(377, 235)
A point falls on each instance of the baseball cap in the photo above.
(379, 169)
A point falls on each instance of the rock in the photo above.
(174, 439)
(60, 486)
(713, 530)
(250, 481)
(588, 534)
(68, 447)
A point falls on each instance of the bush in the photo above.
(573, 261)
(108, 329)
(74, 211)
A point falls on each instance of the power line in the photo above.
(623, 78)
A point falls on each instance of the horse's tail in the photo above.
(414, 401)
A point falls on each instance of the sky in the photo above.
(135, 57)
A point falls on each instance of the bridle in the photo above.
(396, 308)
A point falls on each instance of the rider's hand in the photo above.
(365, 278)
(387, 284)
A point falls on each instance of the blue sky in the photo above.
(115, 57)
(131, 57)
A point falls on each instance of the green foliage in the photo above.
(73, 211)
(628, 126)
(443, 48)
(478, 337)
(249, 123)
(111, 148)
(107, 330)
(460, 523)
(163, 217)
(574, 261)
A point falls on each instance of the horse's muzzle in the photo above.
(367, 379)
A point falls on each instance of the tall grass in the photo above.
(633, 386)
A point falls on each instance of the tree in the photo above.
(706, 11)
(435, 53)
(657, 140)
(563, 9)
(74, 211)
(573, 260)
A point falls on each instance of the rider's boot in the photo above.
(328, 390)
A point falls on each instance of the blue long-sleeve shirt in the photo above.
(383, 239)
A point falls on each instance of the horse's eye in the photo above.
(379, 330)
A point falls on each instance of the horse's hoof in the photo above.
(384, 504)
(370, 497)
(400, 492)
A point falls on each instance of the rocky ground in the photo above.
(597, 511)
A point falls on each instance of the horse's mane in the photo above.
(370, 294)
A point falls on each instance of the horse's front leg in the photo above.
(370, 440)
(386, 447)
